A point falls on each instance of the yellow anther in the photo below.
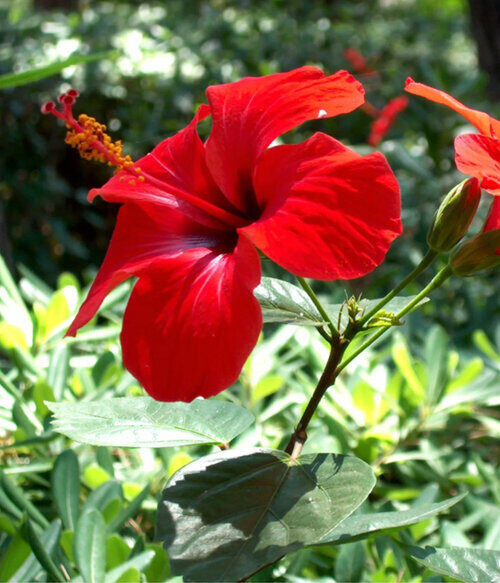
(94, 144)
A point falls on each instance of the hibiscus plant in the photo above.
(195, 219)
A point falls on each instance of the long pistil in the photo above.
(89, 137)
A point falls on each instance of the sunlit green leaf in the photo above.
(144, 422)
(284, 302)
(365, 525)
(89, 546)
(66, 487)
(470, 565)
(25, 77)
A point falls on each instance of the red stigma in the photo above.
(48, 107)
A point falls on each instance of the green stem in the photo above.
(422, 266)
(327, 379)
(307, 288)
(436, 282)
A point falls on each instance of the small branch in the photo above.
(438, 280)
(422, 266)
(327, 379)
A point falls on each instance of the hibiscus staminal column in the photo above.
(89, 136)
(90, 139)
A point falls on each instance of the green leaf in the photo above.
(25, 77)
(117, 551)
(469, 565)
(403, 360)
(361, 526)
(226, 515)
(58, 370)
(30, 569)
(7, 281)
(103, 495)
(129, 511)
(41, 553)
(284, 302)
(66, 487)
(350, 563)
(484, 344)
(138, 562)
(89, 546)
(144, 422)
(159, 567)
(14, 556)
(19, 498)
(484, 388)
(436, 356)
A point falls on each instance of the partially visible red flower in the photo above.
(358, 62)
(476, 155)
(387, 118)
(192, 214)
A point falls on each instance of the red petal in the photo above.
(486, 124)
(328, 212)
(479, 156)
(190, 324)
(249, 114)
(143, 235)
(493, 220)
(175, 175)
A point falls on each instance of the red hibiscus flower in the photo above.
(386, 119)
(476, 155)
(193, 214)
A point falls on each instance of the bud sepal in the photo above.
(454, 216)
(476, 254)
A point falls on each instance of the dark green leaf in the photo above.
(89, 546)
(41, 553)
(31, 567)
(19, 498)
(25, 77)
(365, 525)
(66, 487)
(350, 563)
(226, 515)
(144, 422)
(467, 565)
(284, 302)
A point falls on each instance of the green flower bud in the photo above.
(477, 253)
(453, 217)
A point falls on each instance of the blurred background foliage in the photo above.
(163, 57)
(421, 406)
